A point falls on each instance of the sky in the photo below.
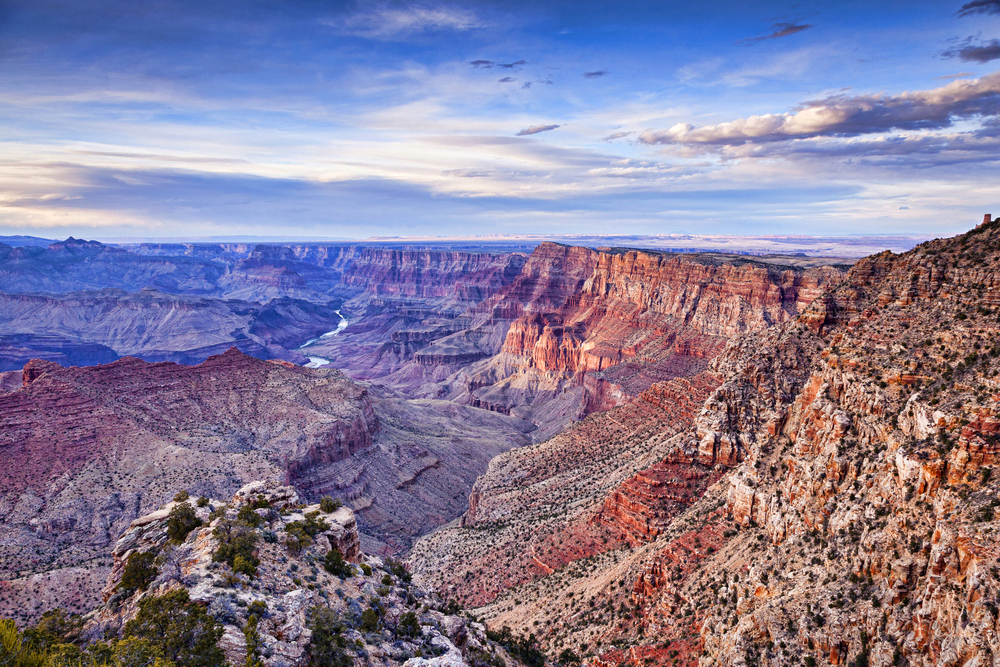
(300, 118)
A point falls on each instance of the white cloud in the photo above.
(391, 22)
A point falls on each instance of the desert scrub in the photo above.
(237, 542)
(181, 521)
(335, 564)
(140, 571)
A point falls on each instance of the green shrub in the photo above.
(183, 631)
(568, 657)
(248, 516)
(335, 564)
(369, 620)
(237, 542)
(408, 626)
(366, 568)
(399, 569)
(301, 532)
(181, 496)
(524, 649)
(253, 643)
(327, 646)
(328, 504)
(202, 501)
(182, 520)
(140, 571)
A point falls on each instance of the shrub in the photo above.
(135, 652)
(327, 646)
(140, 571)
(399, 569)
(335, 564)
(568, 656)
(328, 504)
(369, 620)
(202, 501)
(244, 565)
(236, 541)
(181, 496)
(300, 533)
(524, 649)
(182, 630)
(366, 568)
(408, 626)
(181, 521)
(248, 516)
(253, 643)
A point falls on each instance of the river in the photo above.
(317, 362)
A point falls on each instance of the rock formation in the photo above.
(837, 505)
(289, 582)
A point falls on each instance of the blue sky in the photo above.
(327, 119)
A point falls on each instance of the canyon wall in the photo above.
(831, 502)
(636, 319)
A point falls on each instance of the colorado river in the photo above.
(316, 362)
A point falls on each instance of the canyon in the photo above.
(830, 501)
(636, 457)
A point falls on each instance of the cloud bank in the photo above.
(848, 116)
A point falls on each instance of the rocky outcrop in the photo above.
(286, 588)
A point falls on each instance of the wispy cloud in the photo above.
(535, 129)
(478, 64)
(617, 135)
(468, 173)
(516, 63)
(972, 52)
(386, 22)
(960, 75)
(779, 30)
(845, 116)
(979, 7)
(507, 79)
(596, 75)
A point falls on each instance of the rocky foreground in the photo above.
(832, 501)
(297, 570)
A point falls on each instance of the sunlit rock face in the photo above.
(831, 499)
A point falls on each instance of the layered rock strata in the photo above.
(856, 521)
(88, 328)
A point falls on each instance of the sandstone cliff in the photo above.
(832, 502)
